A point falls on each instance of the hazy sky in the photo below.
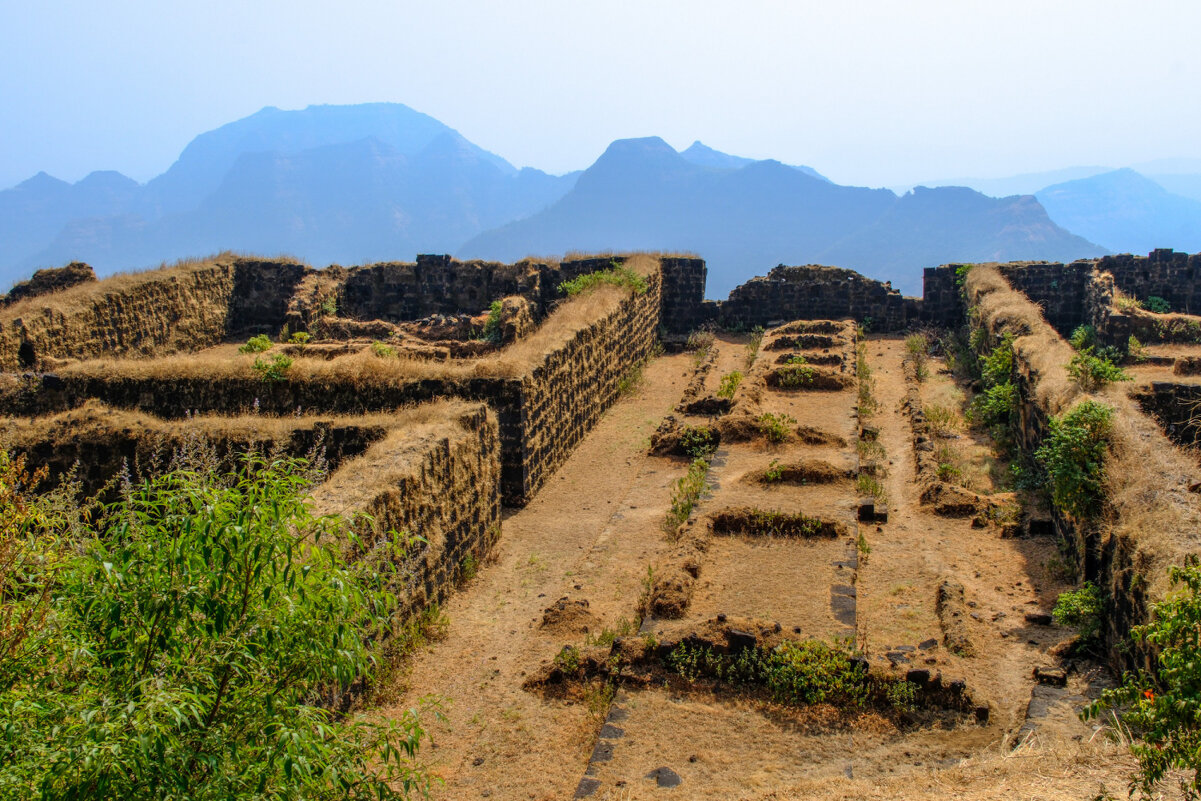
(877, 93)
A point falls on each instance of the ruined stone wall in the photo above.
(684, 307)
(1164, 273)
(438, 480)
(1177, 407)
(261, 295)
(818, 293)
(1057, 289)
(942, 300)
(1152, 518)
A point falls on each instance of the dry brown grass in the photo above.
(1041, 352)
(1061, 771)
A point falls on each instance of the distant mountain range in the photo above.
(353, 184)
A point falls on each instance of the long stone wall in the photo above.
(437, 480)
(1126, 553)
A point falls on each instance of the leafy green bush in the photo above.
(492, 331)
(1083, 336)
(192, 636)
(1091, 372)
(1158, 305)
(729, 384)
(257, 344)
(1081, 609)
(383, 350)
(996, 367)
(699, 442)
(301, 338)
(994, 406)
(1164, 708)
(776, 427)
(1073, 454)
(274, 370)
(1135, 349)
(617, 275)
(795, 376)
(961, 272)
(774, 471)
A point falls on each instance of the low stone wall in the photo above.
(1059, 290)
(1177, 407)
(437, 480)
(818, 293)
(1163, 273)
(1152, 519)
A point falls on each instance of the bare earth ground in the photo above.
(594, 528)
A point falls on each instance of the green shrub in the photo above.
(1091, 372)
(1073, 454)
(300, 338)
(868, 484)
(617, 275)
(776, 427)
(1081, 609)
(867, 384)
(699, 442)
(257, 344)
(994, 406)
(961, 272)
(329, 306)
(194, 633)
(383, 350)
(1083, 336)
(795, 376)
(1164, 708)
(1136, 350)
(996, 367)
(729, 384)
(492, 330)
(1158, 305)
(274, 370)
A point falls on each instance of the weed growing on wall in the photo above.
(1073, 455)
(1157, 305)
(1081, 609)
(617, 275)
(1091, 372)
(1163, 708)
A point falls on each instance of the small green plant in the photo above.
(1135, 350)
(300, 338)
(1126, 303)
(274, 370)
(257, 344)
(1158, 305)
(729, 384)
(996, 367)
(1081, 609)
(617, 275)
(774, 471)
(383, 350)
(861, 544)
(629, 383)
(995, 406)
(776, 428)
(686, 491)
(872, 456)
(700, 339)
(1091, 372)
(795, 376)
(961, 272)
(329, 306)
(469, 566)
(867, 384)
(918, 347)
(568, 660)
(605, 638)
(492, 329)
(699, 442)
(1073, 455)
(752, 347)
(870, 485)
(598, 696)
(1164, 708)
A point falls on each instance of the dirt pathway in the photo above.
(589, 534)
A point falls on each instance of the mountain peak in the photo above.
(705, 156)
